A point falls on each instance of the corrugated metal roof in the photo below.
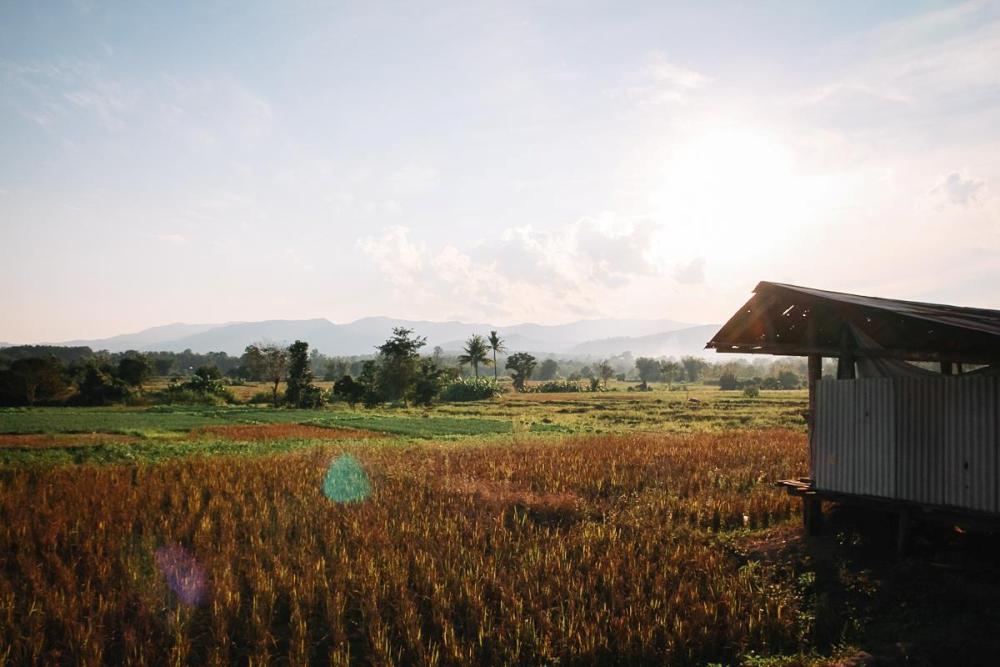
(793, 320)
(977, 319)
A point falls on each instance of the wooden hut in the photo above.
(909, 437)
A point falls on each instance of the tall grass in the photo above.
(584, 550)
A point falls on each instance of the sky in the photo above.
(491, 162)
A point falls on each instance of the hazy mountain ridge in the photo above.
(144, 338)
(596, 337)
(676, 343)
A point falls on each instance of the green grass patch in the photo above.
(153, 451)
(158, 421)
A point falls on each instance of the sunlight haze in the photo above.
(488, 162)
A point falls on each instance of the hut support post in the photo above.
(812, 507)
(812, 515)
(903, 532)
(815, 373)
(845, 367)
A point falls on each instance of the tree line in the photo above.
(398, 372)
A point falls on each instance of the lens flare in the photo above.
(346, 481)
(184, 575)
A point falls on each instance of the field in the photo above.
(606, 528)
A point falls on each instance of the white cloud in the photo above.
(939, 65)
(398, 258)
(691, 273)
(106, 98)
(959, 190)
(565, 270)
(663, 82)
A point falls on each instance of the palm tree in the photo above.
(475, 353)
(496, 344)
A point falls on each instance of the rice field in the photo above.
(605, 528)
(587, 549)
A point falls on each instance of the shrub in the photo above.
(471, 389)
(751, 391)
(558, 387)
(346, 389)
(205, 387)
(429, 382)
(97, 386)
(728, 381)
(789, 380)
(261, 397)
(179, 394)
(311, 396)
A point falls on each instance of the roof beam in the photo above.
(792, 350)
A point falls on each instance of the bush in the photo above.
(789, 380)
(471, 389)
(346, 389)
(261, 397)
(429, 382)
(97, 386)
(182, 395)
(311, 396)
(728, 381)
(557, 387)
(751, 391)
(205, 387)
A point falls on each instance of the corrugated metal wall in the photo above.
(855, 438)
(931, 440)
(970, 448)
(920, 425)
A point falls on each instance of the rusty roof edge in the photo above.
(880, 301)
(980, 320)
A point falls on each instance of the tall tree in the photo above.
(522, 364)
(670, 370)
(162, 365)
(495, 343)
(429, 382)
(606, 371)
(474, 353)
(97, 386)
(269, 362)
(300, 375)
(134, 369)
(398, 364)
(693, 366)
(649, 369)
(32, 379)
(548, 370)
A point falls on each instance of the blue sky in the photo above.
(504, 162)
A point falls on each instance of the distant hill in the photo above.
(689, 341)
(142, 340)
(596, 337)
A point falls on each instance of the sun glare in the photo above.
(727, 188)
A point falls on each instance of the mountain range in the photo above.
(584, 338)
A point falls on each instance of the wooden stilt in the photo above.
(815, 374)
(812, 515)
(903, 533)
